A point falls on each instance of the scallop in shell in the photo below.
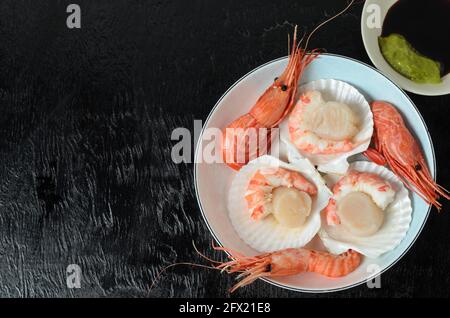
(330, 122)
(265, 233)
(397, 212)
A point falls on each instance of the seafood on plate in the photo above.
(275, 205)
(290, 261)
(269, 110)
(358, 203)
(394, 144)
(330, 122)
(284, 193)
(370, 211)
(250, 135)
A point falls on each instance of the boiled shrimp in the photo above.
(250, 135)
(394, 144)
(288, 262)
(269, 110)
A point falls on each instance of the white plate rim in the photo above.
(318, 291)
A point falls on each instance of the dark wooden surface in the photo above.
(85, 123)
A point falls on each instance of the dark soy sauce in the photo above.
(425, 24)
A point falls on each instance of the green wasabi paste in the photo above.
(399, 53)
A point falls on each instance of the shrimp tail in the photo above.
(334, 266)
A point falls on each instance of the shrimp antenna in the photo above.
(164, 269)
(203, 255)
(295, 37)
(289, 44)
(301, 41)
(328, 20)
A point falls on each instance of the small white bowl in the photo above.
(370, 33)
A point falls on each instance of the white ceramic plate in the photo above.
(212, 181)
(370, 38)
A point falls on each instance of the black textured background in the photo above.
(85, 123)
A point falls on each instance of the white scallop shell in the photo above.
(334, 90)
(267, 235)
(396, 221)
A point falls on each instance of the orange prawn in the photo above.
(239, 145)
(394, 144)
(269, 110)
(287, 262)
